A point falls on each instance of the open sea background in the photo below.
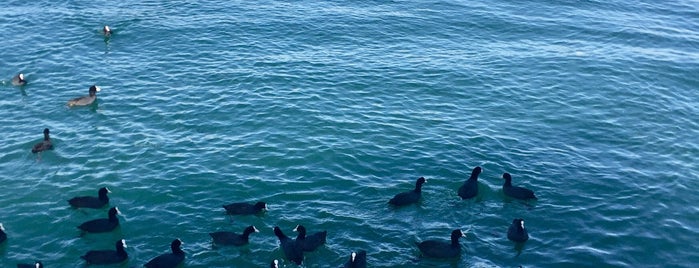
(326, 109)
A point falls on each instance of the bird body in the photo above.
(3, 235)
(102, 257)
(168, 260)
(43, 145)
(90, 201)
(85, 100)
(357, 260)
(291, 249)
(409, 197)
(233, 239)
(102, 225)
(310, 242)
(470, 187)
(242, 208)
(37, 264)
(18, 80)
(442, 249)
(515, 191)
(517, 232)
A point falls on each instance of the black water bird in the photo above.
(36, 264)
(243, 208)
(18, 80)
(102, 257)
(3, 235)
(309, 242)
(409, 197)
(106, 31)
(470, 187)
(517, 232)
(233, 239)
(172, 259)
(515, 191)
(291, 249)
(274, 264)
(102, 225)
(43, 145)
(442, 249)
(357, 260)
(85, 100)
(91, 201)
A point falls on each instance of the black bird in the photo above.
(311, 242)
(85, 100)
(3, 235)
(18, 80)
(106, 31)
(101, 257)
(233, 239)
(292, 251)
(90, 201)
(244, 208)
(44, 145)
(102, 225)
(37, 264)
(168, 259)
(274, 264)
(442, 249)
(515, 191)
(409, 197)
(357, 260)
(517, 232)
(470, 187)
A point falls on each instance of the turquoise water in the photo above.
(325, 110)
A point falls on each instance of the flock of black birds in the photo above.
(293, 249)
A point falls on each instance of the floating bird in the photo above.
(3, 235)
(102, 257)
(102, 225)
(85, 100)
(470, 187)
(442, 249)
(357, 260)
(409, 197)
(45, 144)
(517, 232)
(168, 259)
(37, 264)
(292, 251)
(311, 242)
(274, 264)
(106, 31)
(233, 239)
(245, 208)
(515, 191)
(18, 80)
(90, 201)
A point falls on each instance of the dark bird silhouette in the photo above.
(357, 260)
(3, 235)
(37, 264)
(90, 201)
(442, 249)
(102, 225)
(101, 257)
(85, 100)
(409, 197)
(292, 251)
(274, 264)
(470, 187)
(233, 239)
(245, 208)
(310, 242)
(44, 145)
(515, 191)
(106, 31)
(517, 232)
(18, 80)
(168, 259)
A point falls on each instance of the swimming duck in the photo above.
(311, 242)
(3, 235)
(102, 257)
(45, 144)
(18, 80)
(90, 201)
(292, 251)
(409, 197)
(85, 100)
(106, 31)
(36, 264)
(470, 187)
(442, 249)
(515, 191)
(517, 232)
(244, 208)
(172, 259)
(233, 239)
(102, 225)
(357, 260)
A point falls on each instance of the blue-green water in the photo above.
(325, 110)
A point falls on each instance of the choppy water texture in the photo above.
(327, 109)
